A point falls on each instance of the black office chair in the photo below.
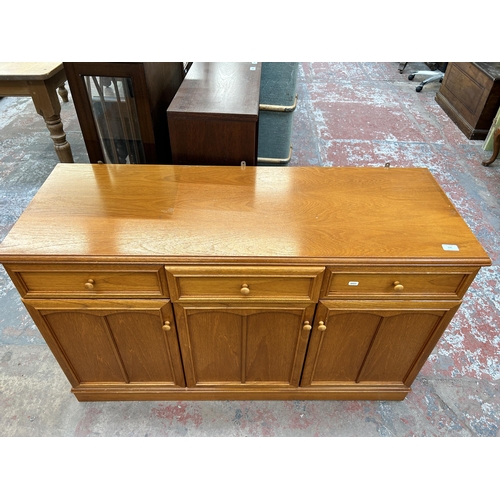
(433, 76)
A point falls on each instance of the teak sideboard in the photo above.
(160, 282)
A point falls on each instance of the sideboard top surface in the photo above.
(147, 213)
(219, 89)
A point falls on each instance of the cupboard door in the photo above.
(240, 346)
(111, 341)
(373, 341)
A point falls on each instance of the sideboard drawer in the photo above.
(417, 282)
(210, 283)
(88, 281)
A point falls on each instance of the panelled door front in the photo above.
(243, 346)
(111, 341)
(373, 341)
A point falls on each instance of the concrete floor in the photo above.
(348, 114)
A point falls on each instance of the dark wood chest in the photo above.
(470, 96)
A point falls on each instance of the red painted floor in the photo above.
(348, 114)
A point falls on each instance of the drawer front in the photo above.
(216, 283)
(397, 282)
(88, 281)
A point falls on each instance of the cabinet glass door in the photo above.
(115, 114)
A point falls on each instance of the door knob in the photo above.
(90, 284)
(398, 286)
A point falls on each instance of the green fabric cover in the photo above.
(278, 87)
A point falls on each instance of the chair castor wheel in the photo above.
(419, 88)
(411, 77)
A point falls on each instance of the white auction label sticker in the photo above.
(450, 248)
(353, 283)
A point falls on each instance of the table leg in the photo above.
(62, 147)
(496, 148)
(47, 105)
(63, 93)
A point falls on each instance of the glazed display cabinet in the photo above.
(122, 107)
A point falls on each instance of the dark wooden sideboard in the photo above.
(470, 96)
(176, 282)
(213, 118)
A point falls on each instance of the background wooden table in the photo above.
(40, 81)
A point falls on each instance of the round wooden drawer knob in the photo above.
(307, 326)
(166, 327)
(244, 289)
(90, 284)
(398, 286)
(321, 326)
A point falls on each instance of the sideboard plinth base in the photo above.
(393, 392)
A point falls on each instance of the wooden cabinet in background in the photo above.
(121, 108)
(213, 118)
(153, 282)
(470, 96)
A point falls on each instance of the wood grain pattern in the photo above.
(110, 341)
(107, 281)
(259, 214)
(240, 345)
(270, 283)
(379, 282)
(170, 282)
(373, 341)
